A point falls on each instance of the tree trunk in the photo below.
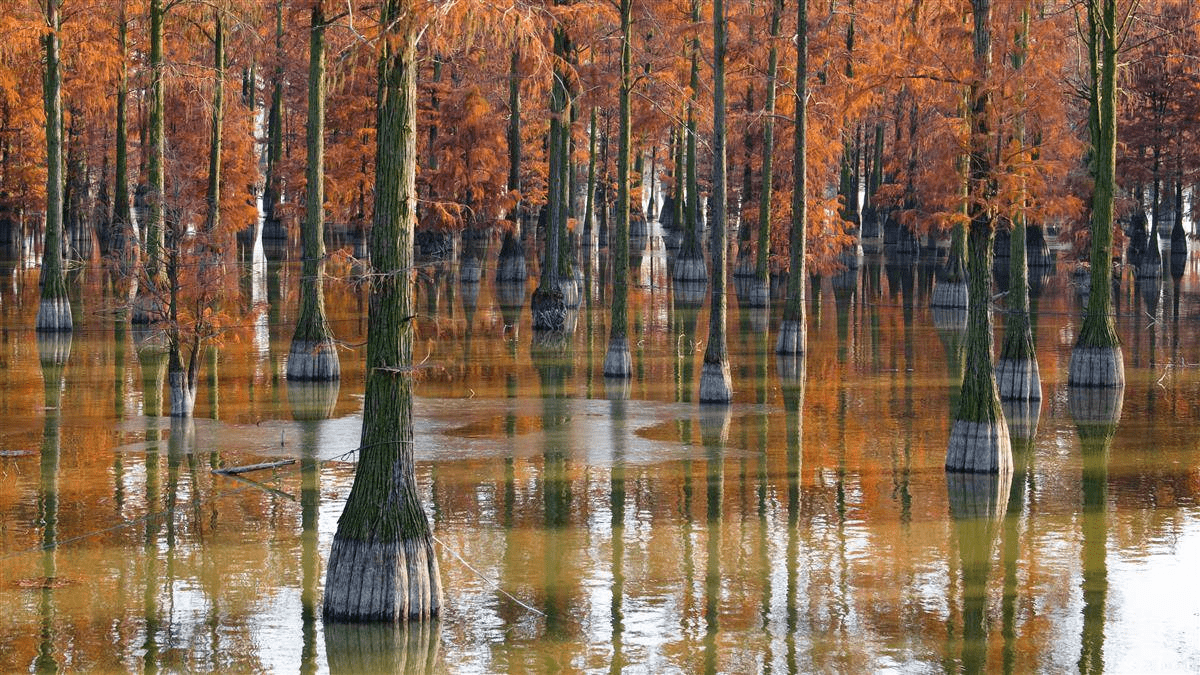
(979, 440)
(617, 362)
(213, 195)
(548, 305)
(148, 304)
(313, 355)
(1096, 360)
(382, 566)
(760, 292)
(273, 229)
(793, 332)
(1017, 369)
(715, 383)
(124, 233)
(689, 267)
(54, 311)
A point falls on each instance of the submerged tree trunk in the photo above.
(979, 440)
(760, 291)
(549, 304)
(510, 268)
(793, 331)
(54, 311)
(124, 233)
(382, 566)
(148, 304)
(313, 355)
(617, 362)
(689, 265)
(273, 194)
(1017, 369)
(1096, 360)
(716, 385)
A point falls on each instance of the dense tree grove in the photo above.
(164, 139)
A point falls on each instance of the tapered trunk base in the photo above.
(792, 339)
(1019, 380)
(183, 394)
(617, 362)
(758, 319)
(716, 385)
(1097, 367)
(754, 293)
(370, 581)
(511, 266)
(979, 447)
(54, 316)
(146, 309)
(549, 310)
(691, 268)
(313, 361)
(949, 295)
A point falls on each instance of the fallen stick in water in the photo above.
(234, 470)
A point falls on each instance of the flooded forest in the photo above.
(576, 336)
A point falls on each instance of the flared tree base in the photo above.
(1019, 380)
(370, 581)
(949, 295)
(313, 361)
(617, 362)
(691, 268)
(1097, 367)
(754, 293)
(792, 339)
(950, 320)
(716, 385)
(979, 447)
(54, 316)
(549, 310)
(183, 394)
(511, 266)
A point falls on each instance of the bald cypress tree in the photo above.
(793, 332)
(313, 355)
(716, 385)
(54, 312)
(1096, 360)
(979, 440)
(382, 566)
(617, 362)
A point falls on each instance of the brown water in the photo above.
(579, 533)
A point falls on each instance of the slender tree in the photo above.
(382, 566)
(1017, 369)
(979, 440)
(313, 354)
(617, 362)
(716, 385)
(793, 331)
(1096, 360)
(54, 312)
(760, 291)
(689, 267)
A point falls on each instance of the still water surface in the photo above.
(583, 528)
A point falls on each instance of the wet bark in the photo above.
(382, 566)
(793, 332)
(617, 362)
(54, 311)
(979, 441)
(1096, 360)
(313, 354)
(715, 383)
